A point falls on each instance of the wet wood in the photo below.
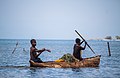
(87, 62)
(109, 52)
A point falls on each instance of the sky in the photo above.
(57, 19)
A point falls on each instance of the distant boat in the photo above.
(87, 62)
(111, 40)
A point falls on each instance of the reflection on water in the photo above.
(17, 65)
(76, 70)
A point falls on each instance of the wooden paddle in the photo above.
(15, 48)
(85, 41)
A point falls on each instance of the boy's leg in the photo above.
(38, 60)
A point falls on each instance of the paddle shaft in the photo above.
(15, 48)
(85, 41)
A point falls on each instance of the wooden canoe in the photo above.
(87, 62)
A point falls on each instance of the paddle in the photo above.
(85, 41)
(15, 48)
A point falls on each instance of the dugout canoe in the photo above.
(87, 62)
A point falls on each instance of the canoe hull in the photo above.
(87, 62)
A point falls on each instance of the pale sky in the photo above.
(57, 19)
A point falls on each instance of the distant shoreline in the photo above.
(38, 39)
(67, 39)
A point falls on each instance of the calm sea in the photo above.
(16, 65)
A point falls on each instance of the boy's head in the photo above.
(33, 42)
(77, 40)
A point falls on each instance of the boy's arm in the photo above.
(40, 51)
(81, 42)
(83, 48)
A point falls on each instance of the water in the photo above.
(16, 65)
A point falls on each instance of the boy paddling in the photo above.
(34, 52)
(77, 49)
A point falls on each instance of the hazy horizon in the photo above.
(57, 19)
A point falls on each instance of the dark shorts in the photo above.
(38, 60)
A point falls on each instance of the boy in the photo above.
(77, 49)
(34, 52)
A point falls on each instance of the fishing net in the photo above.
(68, 58)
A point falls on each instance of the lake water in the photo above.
(16, 65)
